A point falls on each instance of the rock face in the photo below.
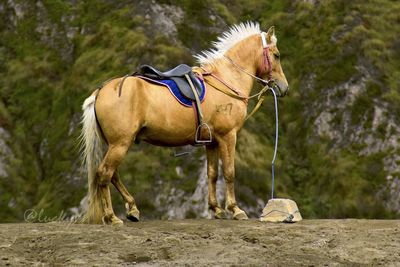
(180, 204)
(376, 130)
(5, 151)
(164, 17)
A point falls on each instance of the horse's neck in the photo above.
(231, 74)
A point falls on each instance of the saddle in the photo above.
(178, 75)
(188, 85)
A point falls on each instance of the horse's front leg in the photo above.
(212, 173)
(227, 153)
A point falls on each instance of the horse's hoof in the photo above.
(113, 220)
(240, 215)
(117, 222)
(132, 214)
(132, 218)
(221, 215)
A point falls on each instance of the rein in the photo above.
(276, 145)
(251, 75)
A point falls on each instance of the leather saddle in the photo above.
(189, 86)
(180, 75)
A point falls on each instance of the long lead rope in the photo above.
(276, 143)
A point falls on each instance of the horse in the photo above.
(145, 111)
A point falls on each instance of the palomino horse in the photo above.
(147, 111)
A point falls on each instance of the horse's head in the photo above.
(270, 67)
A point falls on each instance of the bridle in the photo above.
(266, 67)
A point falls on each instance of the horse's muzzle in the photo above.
(280, 88)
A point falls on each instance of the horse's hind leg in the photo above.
(212, 173)
(104, 174)
(227, 153)
(132, 211)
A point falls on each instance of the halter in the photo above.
(266, 66)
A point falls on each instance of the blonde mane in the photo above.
(227, 40)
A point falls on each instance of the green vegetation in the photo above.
(56, 53)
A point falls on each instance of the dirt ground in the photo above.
(203, 243)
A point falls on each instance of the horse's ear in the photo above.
(271, 31)
(271, 38)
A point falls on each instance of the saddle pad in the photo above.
(174, 90)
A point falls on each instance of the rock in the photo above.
(281, 210)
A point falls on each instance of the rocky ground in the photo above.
(203, 243)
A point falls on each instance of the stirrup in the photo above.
(198, 133)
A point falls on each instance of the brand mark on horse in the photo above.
(224, 109)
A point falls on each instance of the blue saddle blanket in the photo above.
(174, 90)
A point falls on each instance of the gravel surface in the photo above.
(203, 243)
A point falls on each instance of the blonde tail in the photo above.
(92, 150)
